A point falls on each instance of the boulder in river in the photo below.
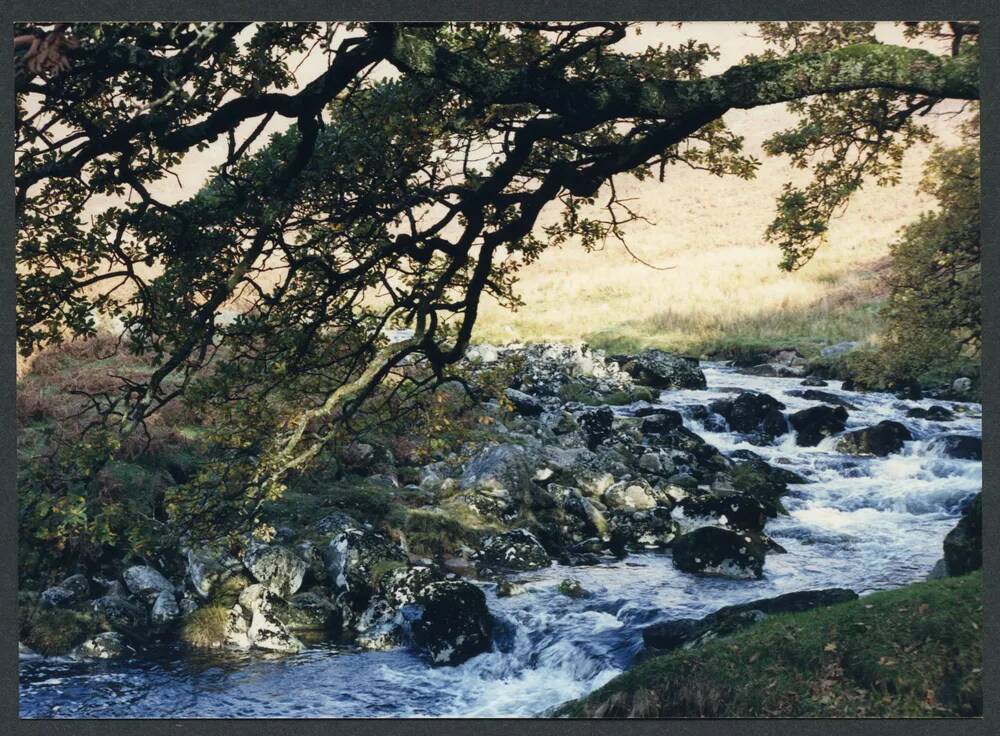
(755, 414)
(958, 446)
(963, 547)
(255, 622)
(934, 413)
(454, 622)
(146, 582)
(825, 396)
(118, 614)
(106, 645)
(776, 370)
(165, 610)
(712, 550)
(813, 424)
(517, 549)
(883, 439)
(688, 632)
(351, 559)
(733, 511)
(276, 567)
(662, 370)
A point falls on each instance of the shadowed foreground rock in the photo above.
(691, 632)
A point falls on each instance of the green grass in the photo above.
(911, 652)
(51, 632)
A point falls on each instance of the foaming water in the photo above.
(861, 523)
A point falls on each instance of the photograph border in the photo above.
(401, 10)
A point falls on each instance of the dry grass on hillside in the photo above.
(723, 287)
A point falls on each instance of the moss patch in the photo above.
(52, 632)
(915, 651)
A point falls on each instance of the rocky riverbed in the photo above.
(618, 501)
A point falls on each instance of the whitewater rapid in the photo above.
(861, 523)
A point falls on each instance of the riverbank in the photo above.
(912, 652)
(515, 562)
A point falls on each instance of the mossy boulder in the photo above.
(517, 549)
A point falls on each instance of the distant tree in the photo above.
(393, 200)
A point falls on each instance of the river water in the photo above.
(862, 523)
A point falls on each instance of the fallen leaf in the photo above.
(831, 647)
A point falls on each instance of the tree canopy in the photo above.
(408, 187)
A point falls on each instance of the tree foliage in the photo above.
(408, 186)
(934, 310)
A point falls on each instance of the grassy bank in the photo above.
(911, 652)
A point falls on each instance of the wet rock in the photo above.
(755, 414)
(120, 615)
(883, 439)
(146, 582)
(454, 623)
(524, 404)
(813, 424)
(662, 370)
(107, 645)
(165, 610)
(963, 547)
(813, 381)
(958, 446)
(661, 421)
(776, 370)
(572, 588)
(734, 511)
(932, 414)
(311, 612)
(597, 425)
(353, 556)
(276, 567)
(687, 632)
(825, 396)
(712, 550)
(517, 549)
